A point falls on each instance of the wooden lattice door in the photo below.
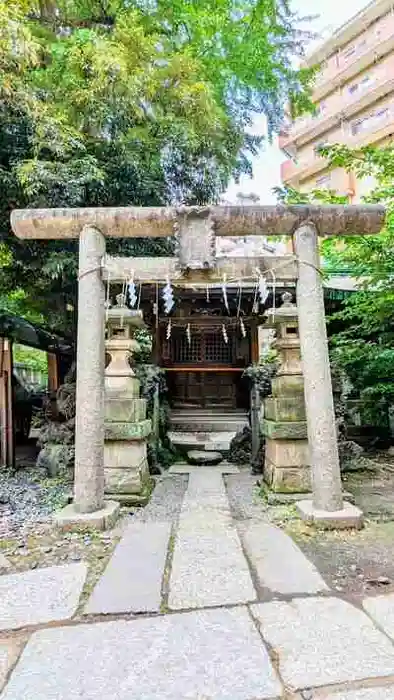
(206, 355)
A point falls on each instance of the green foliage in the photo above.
(110, 103)
(261, 374)
(154, 390)
(363, 341)
(30, 357)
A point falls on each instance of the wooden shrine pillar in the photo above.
(53, 372)
(7, 441)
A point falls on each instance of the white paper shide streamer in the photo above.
(169, 329)
(242, 327)
(131, 288)
(225, 298)
(188, 333)
(168, 297)
(225, 336)
(263, 289)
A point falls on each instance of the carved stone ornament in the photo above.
(195, 240)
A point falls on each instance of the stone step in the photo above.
(204, 458)
(207, 421)
(215, 441)
(208, 427)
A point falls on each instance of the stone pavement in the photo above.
(205, 604)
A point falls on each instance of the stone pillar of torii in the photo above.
(196, 229)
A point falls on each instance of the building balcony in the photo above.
(374, 48)
(294, 172)
(311, 127)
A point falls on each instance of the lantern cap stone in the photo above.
(287, 311)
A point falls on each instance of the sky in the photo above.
(266, 167)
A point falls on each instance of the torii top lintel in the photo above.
(157, 222)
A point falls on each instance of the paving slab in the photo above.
(9, 653)
(277, 561)
(211, 654)
(382, 693)
(381, 609)
(321, 641)
(5, 663)
(5, 564)
(208, 566)
(223, 468)
(205, 491)
(40, 595)
(133, 577)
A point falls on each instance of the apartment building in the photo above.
(354, 98)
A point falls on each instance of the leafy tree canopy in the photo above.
(144, 102)
(364, 345)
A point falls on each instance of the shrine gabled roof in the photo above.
(25, 332)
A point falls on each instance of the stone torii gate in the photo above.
(196, 228)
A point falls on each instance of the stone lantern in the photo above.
(286, 465)
(126, 471)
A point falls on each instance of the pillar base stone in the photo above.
(349, 517)
(276, 498)
(68, 519)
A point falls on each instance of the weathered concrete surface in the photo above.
(208, 566)
(133, 578)
(285, 408)
(40, 595)
(284, 430)
(349, 516)
(295, 480)
(278, 563)
(117, 269)
(89, 411)
(5, 564)
(9, 653)
(183, 468)
(381, 609)
(214, 654)
(257, 220)
(383, 693)
(287, 453)
(322, 641)
(326, 475)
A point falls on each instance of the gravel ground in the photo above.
(26, 498)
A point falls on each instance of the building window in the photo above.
(349, 52)
(370, 121)
(323, 181)
(321, 109)
(361, 86)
